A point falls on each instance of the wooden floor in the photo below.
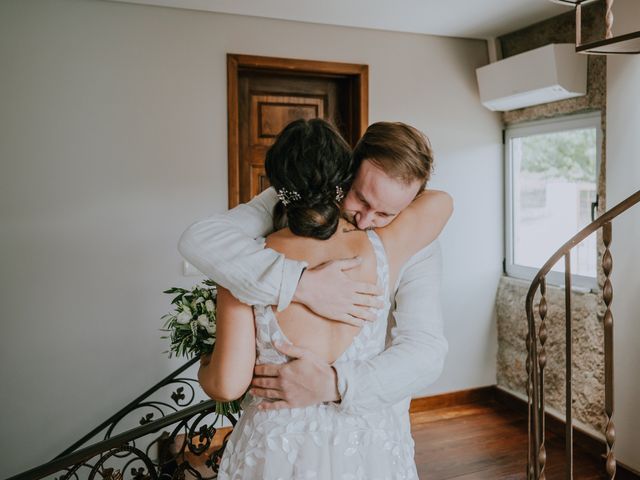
(485, 441)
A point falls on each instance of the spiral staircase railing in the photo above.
(537, 357)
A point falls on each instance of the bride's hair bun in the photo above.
(305, 165)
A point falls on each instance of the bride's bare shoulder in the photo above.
(279, 239)
(345, 241)
(291, 245)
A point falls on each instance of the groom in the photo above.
(393, 162)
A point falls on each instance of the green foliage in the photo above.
(570, 155)
(191, 327)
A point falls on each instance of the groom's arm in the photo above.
(415, 357)
(229, 248)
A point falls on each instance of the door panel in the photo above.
(269, 102)
(271, 113)
(268, 115)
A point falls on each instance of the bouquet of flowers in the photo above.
(192, 327)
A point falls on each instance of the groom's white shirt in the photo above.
(229, 248)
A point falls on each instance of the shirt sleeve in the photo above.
(415, 357)
(229, 248)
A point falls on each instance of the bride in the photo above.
(310, 167)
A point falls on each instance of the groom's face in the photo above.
(375, 198)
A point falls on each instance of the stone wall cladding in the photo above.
(588, 348)
(588, 308)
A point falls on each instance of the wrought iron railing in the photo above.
(187, 447)
(537, 357)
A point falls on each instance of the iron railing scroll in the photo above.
(537, 357)
(151, 438)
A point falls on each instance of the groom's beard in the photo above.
(350, 217)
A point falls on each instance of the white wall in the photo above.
(113, 140)
(623, 179)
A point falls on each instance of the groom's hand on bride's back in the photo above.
(330, 293)
(303, 381)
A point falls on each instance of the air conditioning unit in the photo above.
(547, 74)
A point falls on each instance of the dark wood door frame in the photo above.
(360, 81)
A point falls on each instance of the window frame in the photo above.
(559, 124)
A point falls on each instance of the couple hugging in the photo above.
(328, 307)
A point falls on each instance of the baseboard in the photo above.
(585, 440)
(452, 399)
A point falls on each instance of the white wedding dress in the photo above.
(320, 442)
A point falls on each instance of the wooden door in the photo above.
(263, 99)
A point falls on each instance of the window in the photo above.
(551, 184)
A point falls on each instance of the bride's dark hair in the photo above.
(311, 159)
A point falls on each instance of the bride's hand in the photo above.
(330, 293)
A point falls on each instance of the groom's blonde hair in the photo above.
(400, 150)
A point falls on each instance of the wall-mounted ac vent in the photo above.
(546, 74)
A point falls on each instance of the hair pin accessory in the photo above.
(339, 193)
(287, 197)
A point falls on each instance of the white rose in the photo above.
(184, 317)
(209, 305)
(203, 320)
(199, 300)
(208, 341)
(211, 329)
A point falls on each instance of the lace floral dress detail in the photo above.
(320, 442)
